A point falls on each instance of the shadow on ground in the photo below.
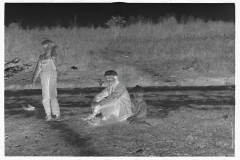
(163, 98)
(75, 102)
(75, 139)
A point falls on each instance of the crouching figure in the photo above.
(113, 101)
(139, 108)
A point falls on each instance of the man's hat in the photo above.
(111, 73)
(138, 89)
(48, 42)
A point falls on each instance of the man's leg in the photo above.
(53, 95)
(109, 111)
(129, 119)
(45, 95)
(92, 115)
(138, 120)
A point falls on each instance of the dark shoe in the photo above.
(91, 116)
(58, 118)
(48, 118)
(95, 122)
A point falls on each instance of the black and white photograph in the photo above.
(119, 79)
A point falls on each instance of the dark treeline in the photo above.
(97, 14)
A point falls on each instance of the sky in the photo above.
(87, 14)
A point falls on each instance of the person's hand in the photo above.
(98, 98)
(33, 84)
(96, 109)
(95, 99)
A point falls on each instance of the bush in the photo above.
(116, 22)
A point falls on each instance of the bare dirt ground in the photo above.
(191, 121)
(131, 72)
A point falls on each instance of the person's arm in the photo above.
(118, 92)
(101, 95)
(37, 70)
(133, 107)
(54, 58)
(141, 108)
(95, 101)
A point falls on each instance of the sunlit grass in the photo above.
(209, 47)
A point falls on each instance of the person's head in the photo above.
(111, 77)
(138, 92)
(48, 44)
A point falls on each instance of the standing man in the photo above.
(47, 68)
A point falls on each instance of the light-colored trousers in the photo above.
(49, 92)
(120, 108)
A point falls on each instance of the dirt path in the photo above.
(190, 122)
(131, 71)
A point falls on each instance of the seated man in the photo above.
(139, 107)
(112, 101)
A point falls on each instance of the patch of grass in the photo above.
(206, 48)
